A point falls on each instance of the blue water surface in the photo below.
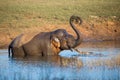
(95, 61)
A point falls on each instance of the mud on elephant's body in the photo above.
(44, 43)
(37, 44)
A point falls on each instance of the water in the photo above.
(100, 61)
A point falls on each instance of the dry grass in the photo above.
(20, 14)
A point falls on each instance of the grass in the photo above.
(20, 14)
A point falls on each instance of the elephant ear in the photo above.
(55, 41)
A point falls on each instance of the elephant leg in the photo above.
(24, 51)
(18, 52)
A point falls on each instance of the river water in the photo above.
(94, 61)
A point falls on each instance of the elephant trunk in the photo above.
(77, 20)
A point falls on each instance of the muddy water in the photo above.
(94, 61)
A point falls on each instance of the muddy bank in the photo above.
(90, 31)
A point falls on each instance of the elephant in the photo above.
(45, 43)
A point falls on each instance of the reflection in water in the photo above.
(68, 67)
(37, 68)
(50, 60)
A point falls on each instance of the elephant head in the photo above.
(69, 41)
(56, 39)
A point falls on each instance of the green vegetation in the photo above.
(34, 13)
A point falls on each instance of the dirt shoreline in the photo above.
(93, 31)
